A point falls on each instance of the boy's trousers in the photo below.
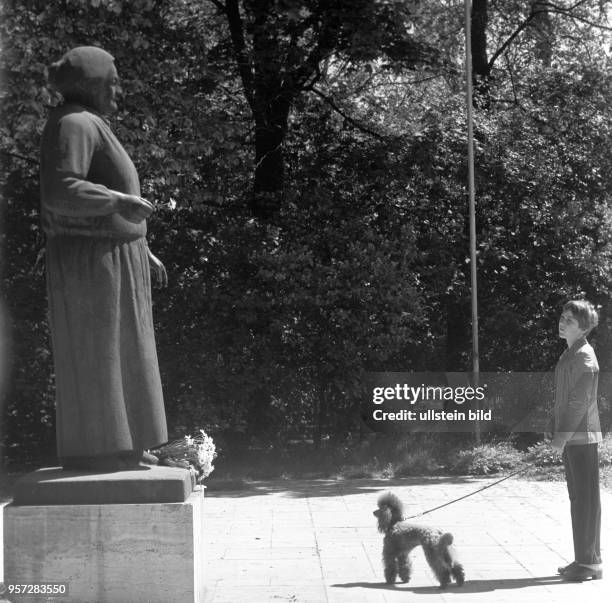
(582, 474)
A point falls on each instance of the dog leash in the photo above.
(472, 493)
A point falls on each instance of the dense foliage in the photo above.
(308, 162)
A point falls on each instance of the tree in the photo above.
(280, 48)
(522, 30)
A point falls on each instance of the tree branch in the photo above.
(561, 10)
(565, 8)
(234, 21)
(323, 48)
(354, 123)
(513, 36)
(548, 7)
(18, 156)
(220, 6)
(512, 82)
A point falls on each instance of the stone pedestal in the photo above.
(145, 484)
(109, 553)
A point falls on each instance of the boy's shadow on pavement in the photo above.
(470, 586)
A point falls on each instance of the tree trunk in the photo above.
(458, 336)
(270, 133)
(320, 410)
(544, 32)
(481, 69)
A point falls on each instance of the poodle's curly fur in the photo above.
(401, 537)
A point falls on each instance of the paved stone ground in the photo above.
(316, 541)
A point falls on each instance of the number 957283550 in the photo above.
(30, 589)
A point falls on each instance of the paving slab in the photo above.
(316, 541)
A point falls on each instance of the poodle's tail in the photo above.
(450, 555)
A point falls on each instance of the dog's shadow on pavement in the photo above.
(470, 586)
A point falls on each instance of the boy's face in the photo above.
(569, 329)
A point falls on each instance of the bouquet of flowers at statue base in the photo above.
(191, 452)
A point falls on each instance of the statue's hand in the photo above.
(557, 444)
(158, 270)
(133, 208)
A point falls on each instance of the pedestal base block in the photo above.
(145, 484)
(109, 553)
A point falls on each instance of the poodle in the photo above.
(401, 537)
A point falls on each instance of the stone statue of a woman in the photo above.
(109, 399)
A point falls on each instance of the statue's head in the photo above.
(87, 75)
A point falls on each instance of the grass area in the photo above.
(387, 457)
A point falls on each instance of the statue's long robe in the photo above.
(108, 389)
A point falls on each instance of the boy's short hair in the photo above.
(584, 312)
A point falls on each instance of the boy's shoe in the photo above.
(564, 568)
(580, 573)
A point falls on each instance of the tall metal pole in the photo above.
(472, 197)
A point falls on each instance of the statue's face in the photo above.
(108, 93)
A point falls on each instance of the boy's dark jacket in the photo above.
(576, 417)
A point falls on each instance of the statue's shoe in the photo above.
(149, 459)
(170, 462)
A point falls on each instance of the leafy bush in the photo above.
(605, 451)
(543, 455)
(485, 459)
(418, 462)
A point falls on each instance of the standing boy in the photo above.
(577, 433)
